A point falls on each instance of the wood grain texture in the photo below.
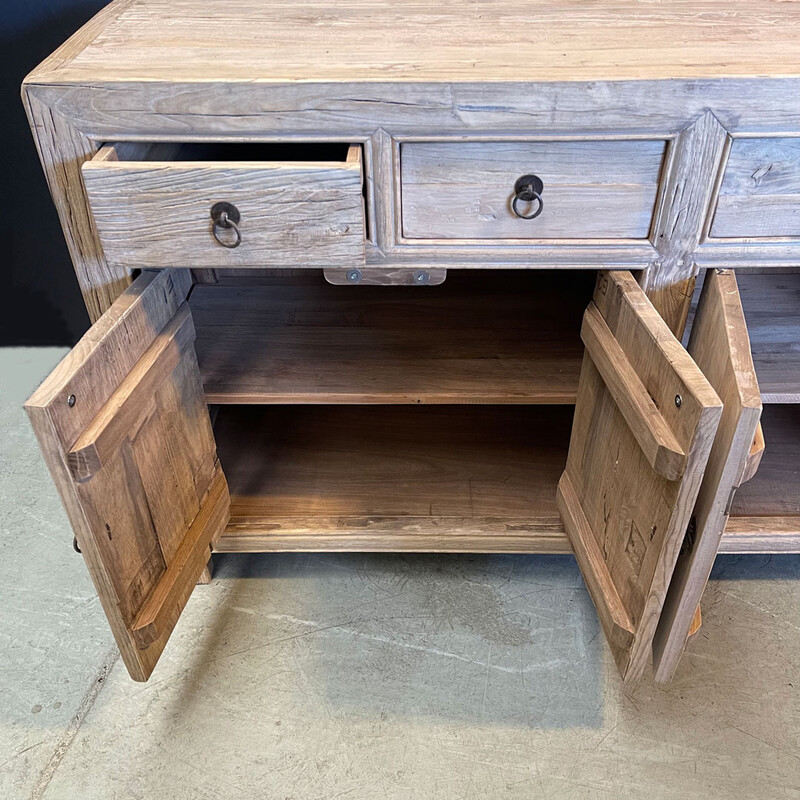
(488, 337)
(408, 40)
(129, 401)
(687, 186)
(592, 189)
(659, 444)
(403, 276)
(62, 150)
(609, 491)
(393, 477)
(719, 346)
(132, 513)
(772, 309)
(156, 213)
(760, 191)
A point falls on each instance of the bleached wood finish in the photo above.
(772, 309)
(134, 73)
(407, 40)
(402, 276)
(692, 164)
(507, 337)
(151, 212)
(592, 189)
(146, 496)
(719, 346)
(760, 191)
(625, 521)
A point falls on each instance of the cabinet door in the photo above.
(720, 346)
(645, 419)
(124, 429)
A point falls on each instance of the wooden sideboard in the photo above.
(392, 276)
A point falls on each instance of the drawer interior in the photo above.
(481, 336)
(229, 151)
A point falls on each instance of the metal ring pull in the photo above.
(528, 189)
(225, 216)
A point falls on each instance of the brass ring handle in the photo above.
(225, 216)
(528, 189)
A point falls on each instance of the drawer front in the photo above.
(760, 191)
(150, 211)
(591, 190)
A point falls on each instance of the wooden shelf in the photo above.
(765, 516)
(366, 478)
(435, 479)
(492, 337)
(771, 304)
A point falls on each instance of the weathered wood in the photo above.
(403, 276)
(610, 491)
(351, 477)
(156, 213)
(719, 346)
(125, 408)
(132, 510)
(155, 618)
(157, 41)
(658, 442)
(760, 191)
(772, 309)
(62, 149)
(755, 454)
(501, 337)
(692, 164)
(592, 189)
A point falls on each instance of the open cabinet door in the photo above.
(124, 429)
(720, 346)
(645, 419)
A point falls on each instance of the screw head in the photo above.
(71, 400)
(421, 277)
(678, 400)
(354, 275)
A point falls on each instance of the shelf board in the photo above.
(426, 479)
(480, 337)
(771, 304)
(416, 479)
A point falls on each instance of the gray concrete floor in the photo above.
(365, 676)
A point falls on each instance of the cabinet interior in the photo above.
(435, 418)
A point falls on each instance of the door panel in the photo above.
(645, 418)
(720, 346)
(125, 432)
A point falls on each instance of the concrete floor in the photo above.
(365, 676)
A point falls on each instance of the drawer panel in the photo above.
(152, 205)
(592, 189)
(760, 191)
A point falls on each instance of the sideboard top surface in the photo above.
(414, 41)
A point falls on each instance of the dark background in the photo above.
(40, 303)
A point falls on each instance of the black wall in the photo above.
(40, 303)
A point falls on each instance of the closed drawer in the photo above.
(760, 191)
(591, 190)
(296, 205)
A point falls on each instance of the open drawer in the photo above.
(227, 206)
(124, 427)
